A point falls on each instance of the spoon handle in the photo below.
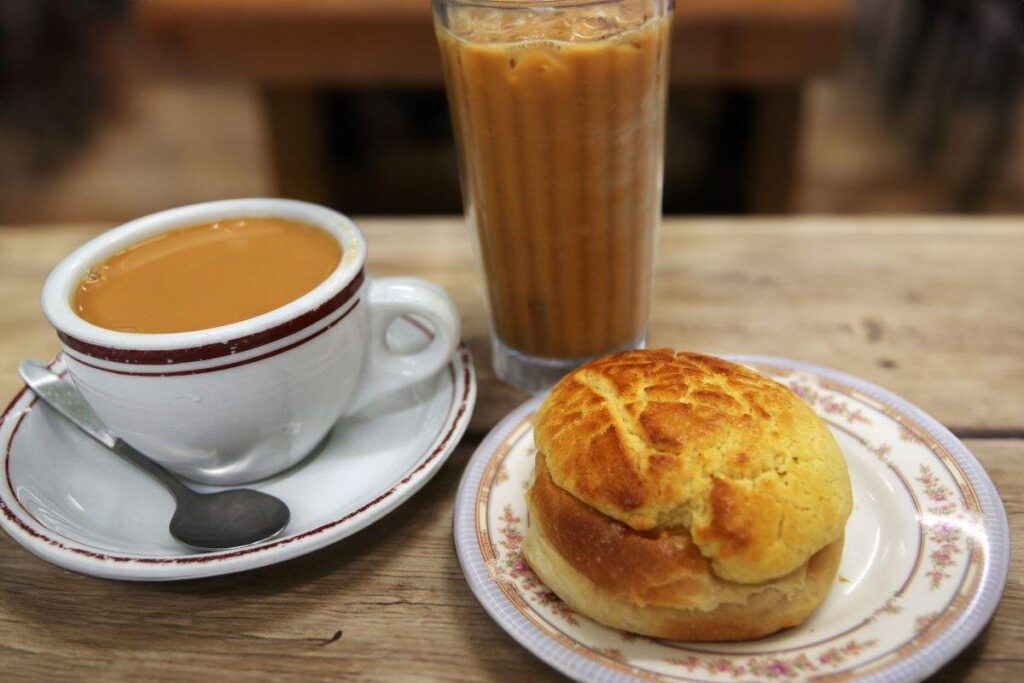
(65, 398)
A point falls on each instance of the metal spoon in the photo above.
(207, 521)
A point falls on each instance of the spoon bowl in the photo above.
(228, 519)
(206, 521)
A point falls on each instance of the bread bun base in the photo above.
(766, 610)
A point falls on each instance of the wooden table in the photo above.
(290, 49)
(930, 308)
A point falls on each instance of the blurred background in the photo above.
(111, 109)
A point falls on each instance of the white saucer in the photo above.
(73, 503)
(923, 568)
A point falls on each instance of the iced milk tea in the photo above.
(558, 109)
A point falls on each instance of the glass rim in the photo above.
(530, 5)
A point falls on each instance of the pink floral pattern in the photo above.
(781, 667)
(946, 535)
(945, 556)
(827, 403)
(838, 655)
(513, 568)
(774, 668)
(941, 496)
(721, 665)
(889, 441)
(907, 435)
(925, 620)
(881, 451)
(890, 607)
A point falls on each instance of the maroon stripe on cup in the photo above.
(226, 366)
(220, 349)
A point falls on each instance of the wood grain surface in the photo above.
(930, 308)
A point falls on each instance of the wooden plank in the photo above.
(929, 308)
(391, 42)
(387, 604)
(394, 591)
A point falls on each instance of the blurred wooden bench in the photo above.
(291, 48)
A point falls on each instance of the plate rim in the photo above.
(945, 646)
(67, 553)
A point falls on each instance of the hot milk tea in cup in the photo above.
(225, 339)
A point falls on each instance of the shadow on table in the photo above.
(957, 669)
(510, 660)
(334, 579)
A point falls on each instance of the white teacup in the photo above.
(240, 402)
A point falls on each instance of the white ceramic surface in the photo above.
(71, 502)
(241, 402)
(924, 565)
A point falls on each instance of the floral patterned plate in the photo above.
(925, 561)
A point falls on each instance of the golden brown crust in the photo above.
(623, 561)
(664, 440)
(764, 609)
(662, 568)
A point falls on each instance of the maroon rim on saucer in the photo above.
(460, 370)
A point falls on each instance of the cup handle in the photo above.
(385, 371)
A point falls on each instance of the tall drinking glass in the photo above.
(559, 115)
